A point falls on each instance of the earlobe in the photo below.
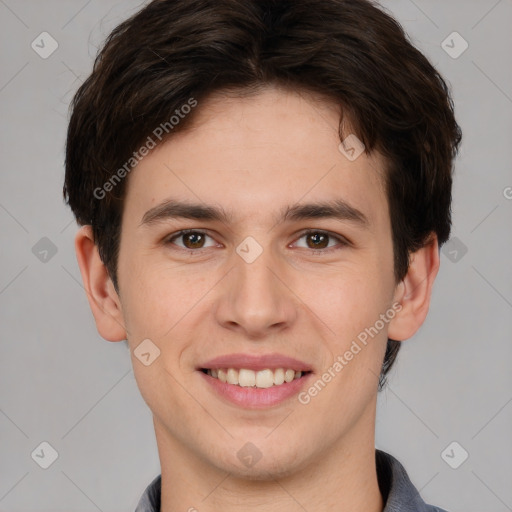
(103, 299)
(414, 291)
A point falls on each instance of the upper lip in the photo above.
(256, 362)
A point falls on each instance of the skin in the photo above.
(254, 156)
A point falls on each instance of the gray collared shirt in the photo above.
(398, 492)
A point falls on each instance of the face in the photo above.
(260, 278)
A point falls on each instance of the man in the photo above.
(263, 187)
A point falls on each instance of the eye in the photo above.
(317, 240)
(192, 239)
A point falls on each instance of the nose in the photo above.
(256, 298)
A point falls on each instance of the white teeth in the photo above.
(264, 379)
(232, 377)
(250, 378)
(278, 376)
(246, 378)
(289, 375)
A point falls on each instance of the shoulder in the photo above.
(398, 492)
(150, 499)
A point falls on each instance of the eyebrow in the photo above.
(336, 209)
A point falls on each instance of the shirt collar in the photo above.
(398, 492)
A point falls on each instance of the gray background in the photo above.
(61, 383)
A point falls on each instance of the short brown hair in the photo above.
(350, 51)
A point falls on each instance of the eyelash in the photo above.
(343, 242)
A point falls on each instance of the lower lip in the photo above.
(256, 398)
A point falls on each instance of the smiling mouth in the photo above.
(256, 379)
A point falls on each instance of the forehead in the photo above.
(256, 154)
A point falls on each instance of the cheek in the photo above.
(348, 308)
(347, 301)
(160, 297)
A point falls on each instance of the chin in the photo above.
(264, 463)
(263, 471)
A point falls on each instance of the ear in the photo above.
(103, 299)
(414, 291)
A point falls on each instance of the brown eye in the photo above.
(322, 241)
(196, 240)
(318, 240)
(190, 239)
